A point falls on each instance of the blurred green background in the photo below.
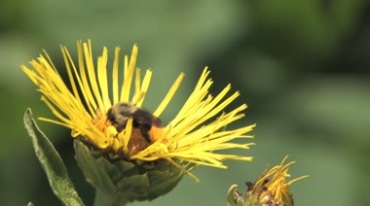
(303, 67)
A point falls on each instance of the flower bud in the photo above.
(270, 189)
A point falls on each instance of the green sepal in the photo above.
(52, 163)
(234, 198)
(118, 181)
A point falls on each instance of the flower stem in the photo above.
(102, 199)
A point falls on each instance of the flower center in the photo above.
(146, 128)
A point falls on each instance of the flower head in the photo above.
(270, 189)
(105, 109)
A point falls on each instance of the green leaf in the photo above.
(52, 163)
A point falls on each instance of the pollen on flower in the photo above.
(105, 107)
(100, 121)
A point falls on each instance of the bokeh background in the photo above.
(301, 66)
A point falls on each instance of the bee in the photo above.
(147, 128)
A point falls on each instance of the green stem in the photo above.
(102, 199)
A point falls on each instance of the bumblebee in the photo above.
(147, 128)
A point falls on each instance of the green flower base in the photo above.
(118, 181)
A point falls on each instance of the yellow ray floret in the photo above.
(272, 185)
(83, 106)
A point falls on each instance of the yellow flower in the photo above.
(272, 188)
(103, 109)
